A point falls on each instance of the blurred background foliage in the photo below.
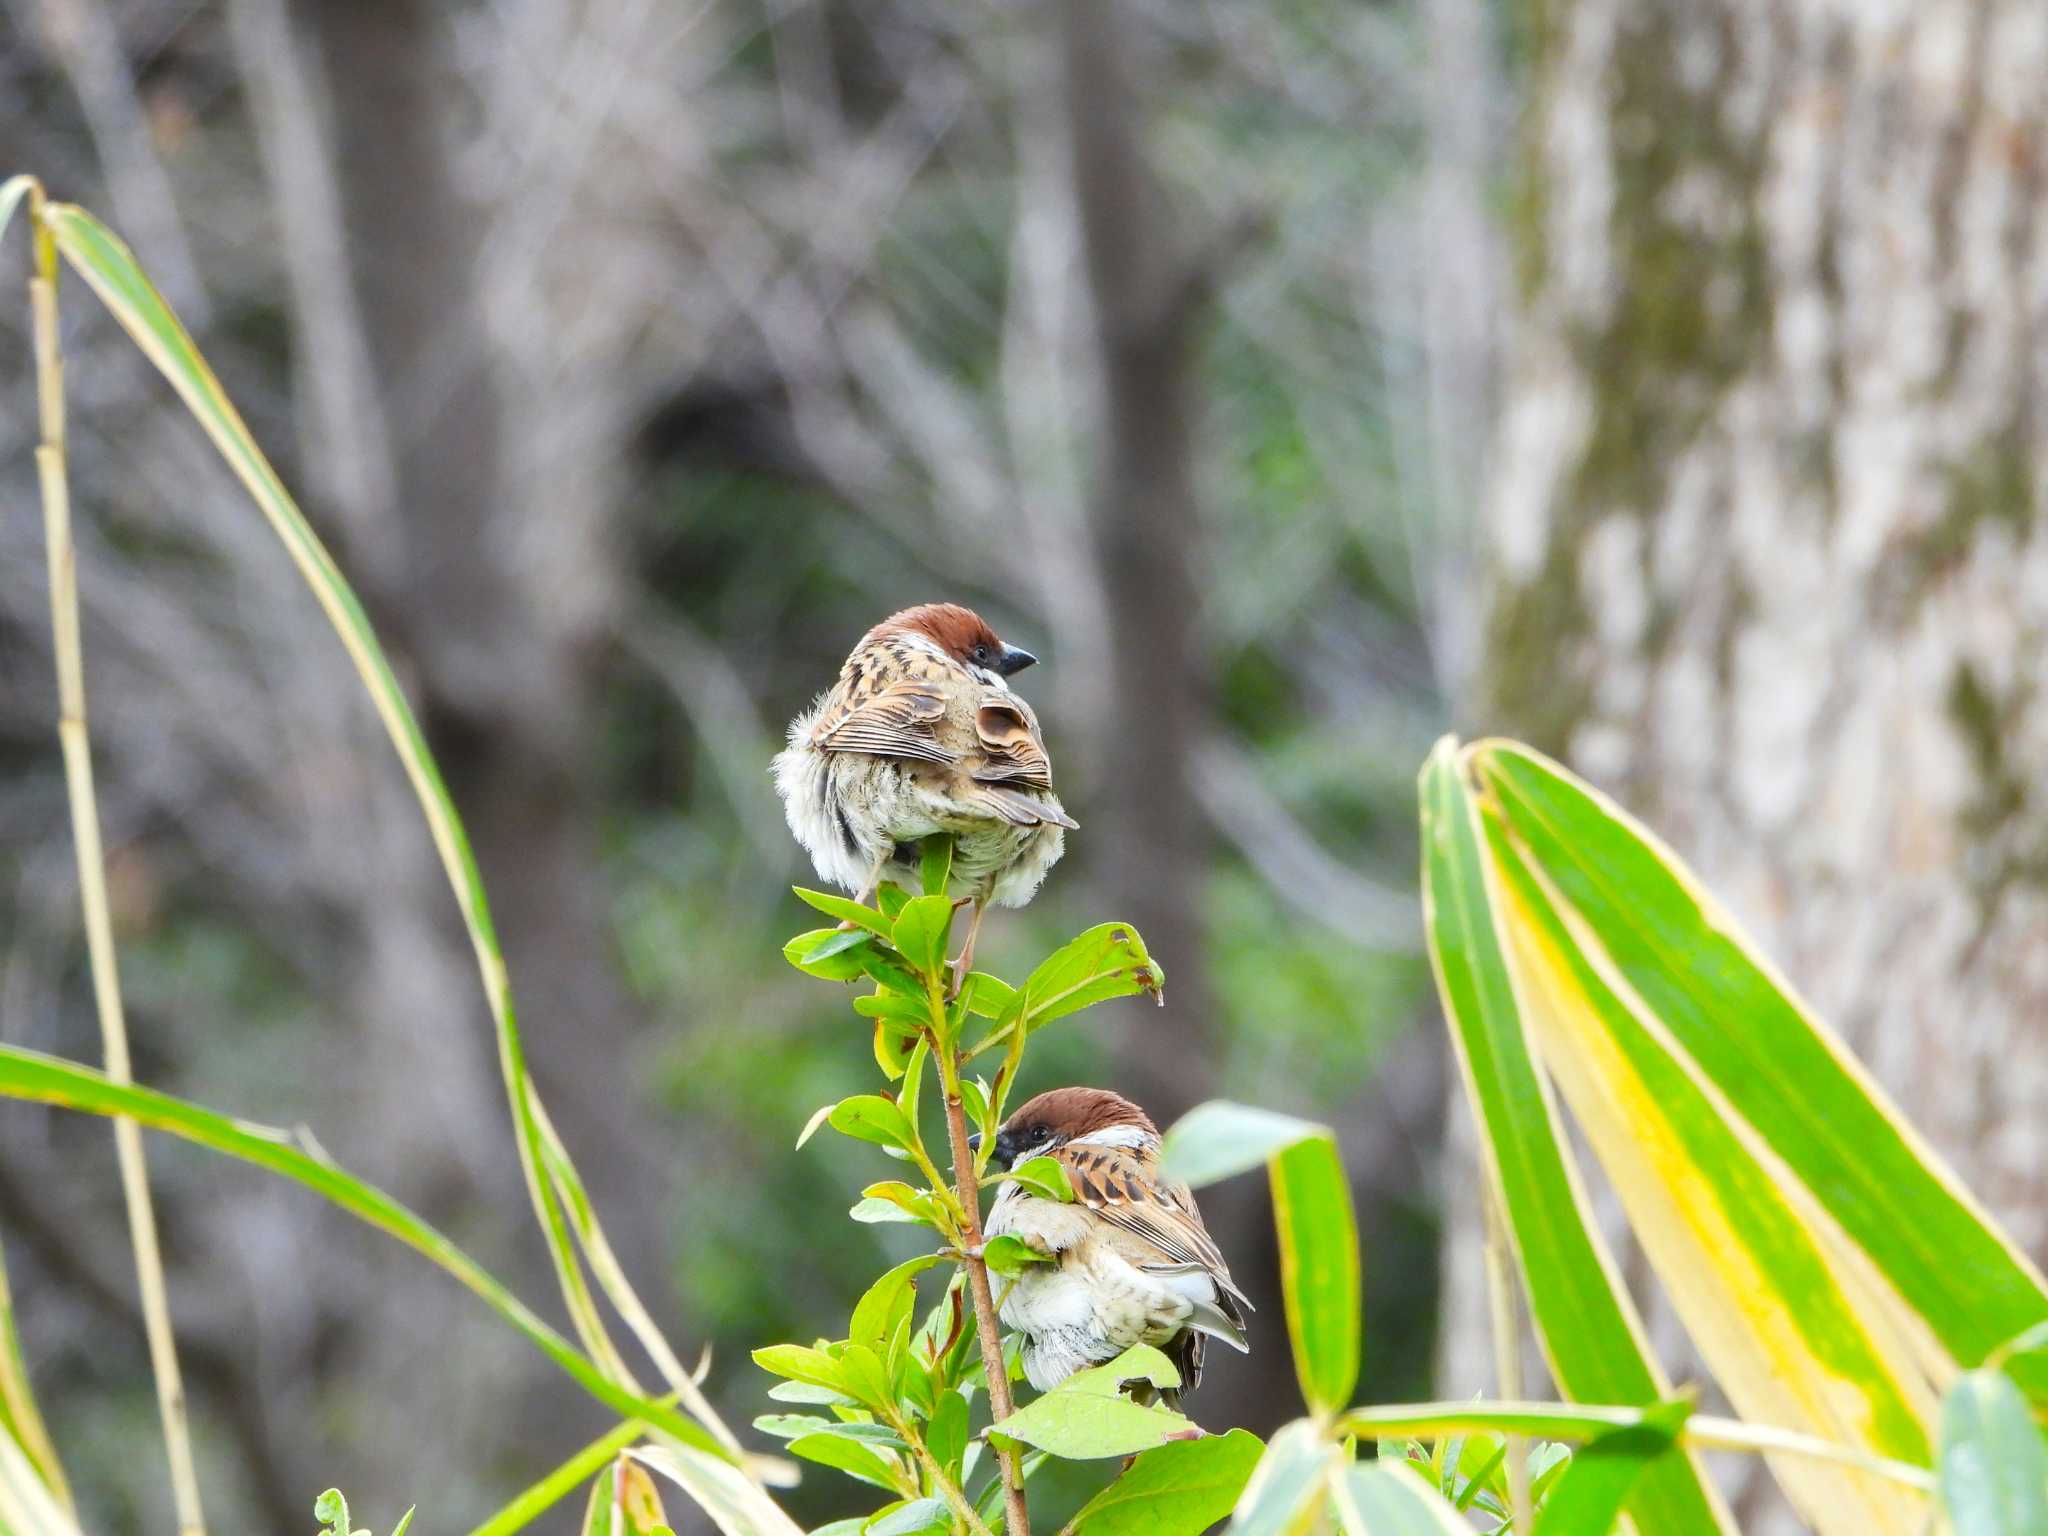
(634, 358)
(1655, 380)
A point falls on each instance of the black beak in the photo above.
(1014, 660)
(974, 1142)
(1005, 1153)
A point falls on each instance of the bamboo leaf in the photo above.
(20, 1419)
(1219, 1139)
(1318, 1269)
(1994, 1467)
(1794, 1335)
(46, 1080)
(542, 1495)
(110, 269)
(1588, 1497)
(1591, 1335)
(736, 1506)
(1385, 1498)
(27, 1506)
(1749, 1035)
(1287, 1491)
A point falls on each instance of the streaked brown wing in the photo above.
(1014, 750)
(1119, 1187)
(899, 720)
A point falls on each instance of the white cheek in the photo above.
(1132, 1137)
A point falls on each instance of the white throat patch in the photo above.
(1132, 1136)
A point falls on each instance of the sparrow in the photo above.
(920, 735)
(1133, 1263)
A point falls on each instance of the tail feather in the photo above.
(1021, 810)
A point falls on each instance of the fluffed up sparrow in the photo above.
(1134, 1263)
(921, 735)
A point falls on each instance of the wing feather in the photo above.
(1121, 1188)
(899, 720)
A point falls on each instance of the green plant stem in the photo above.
(1016, 1520)
(76, 743)
(953, 1493)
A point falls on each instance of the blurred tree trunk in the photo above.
(1145, 837)
(502, 662)
(1768, 544)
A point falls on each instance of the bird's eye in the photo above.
(1041, 1133)
(980, 652)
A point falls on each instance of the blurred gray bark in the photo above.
(1146, 838)
(1768, 543)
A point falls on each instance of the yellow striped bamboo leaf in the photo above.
(1589, 1330)
(1796, 1334)
(1778, 1067)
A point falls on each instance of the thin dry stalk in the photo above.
(1507, 1357)
(92, 885)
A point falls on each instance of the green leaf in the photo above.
(818, 1118)
(913, 1083)
(1009, 1254)
(1318, 1269)
(870, 1117)
(331, 1510)
(799, 1363)
(911, 1519)
(831, 954)
(1786, 1077)
(873, 1212)
(891, 899)
(886, 969)
(987, 996)
(865, 1376)
(888, 1301)
(1044, 1177)
(974, 1097)
(935, 863)
(1216, 1140)
(1179, 1489)
(405, 1522)
(1285, 1496)
(846, 911)
(921, 933)
(808, 1392)
(1994, 1467)
(1589, 1497)
(849, 1456)
(1592, 1336)
(1088, 1416)
(1385, 1498)
(913, 1013)
(945, 1435)
(911, 1204)
(1107, 961)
